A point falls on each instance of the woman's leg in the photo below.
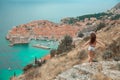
(90, 55)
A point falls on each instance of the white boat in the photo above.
(11, 44)
(9, 68)
(41, 46)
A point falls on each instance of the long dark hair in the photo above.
(92, 38)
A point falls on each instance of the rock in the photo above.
(102, 70)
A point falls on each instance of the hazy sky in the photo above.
(42, 1)
(26, 10)
(48, 1)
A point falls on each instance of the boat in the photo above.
(11, 44)
(9, 68)
(41, 46)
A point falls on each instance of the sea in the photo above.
(16, 12)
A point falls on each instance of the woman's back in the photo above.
(92, 41)
(93, 44)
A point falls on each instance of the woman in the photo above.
(91, 49)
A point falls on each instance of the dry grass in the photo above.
(100, 76)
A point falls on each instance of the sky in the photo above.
(42, 1)
(47, 1)
(51, 9)
(51, 1)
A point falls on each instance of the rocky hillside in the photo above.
(117, 6)
(54, 68)
(104, 70)
(116, 9)
(73, 65)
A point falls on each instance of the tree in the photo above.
(116, 17)
(65, 45)
(36, 60)
(53, 52)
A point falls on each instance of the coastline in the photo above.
(40, 30)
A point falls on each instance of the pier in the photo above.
(41, 46)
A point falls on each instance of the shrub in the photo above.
(98, 16)
(116, 17)
(115, 46)
(69, 20)
(65, 45)
(35, 60)
(80, 34)
(53, 52)
(100, 26)
(107, 54)
(118, 66)
(116, 58)
(82, 54)
(73, 76)
(86, 38)
(27, 67)
(72, 20)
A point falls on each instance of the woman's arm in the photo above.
(99, 42)
(85, 44)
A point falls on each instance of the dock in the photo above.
(41, 46)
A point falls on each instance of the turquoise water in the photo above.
(15, 12)
(18, 56)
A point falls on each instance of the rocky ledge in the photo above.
(104, 70)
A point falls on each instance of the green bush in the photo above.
(80, 34)
(53, 52)
(118, 66)
(27, 67)
(117, 58)
(65, 45)
(116, 17)
(98, 16)
(69, 20)
(107, 54)
(100, 26)
(72, 20)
